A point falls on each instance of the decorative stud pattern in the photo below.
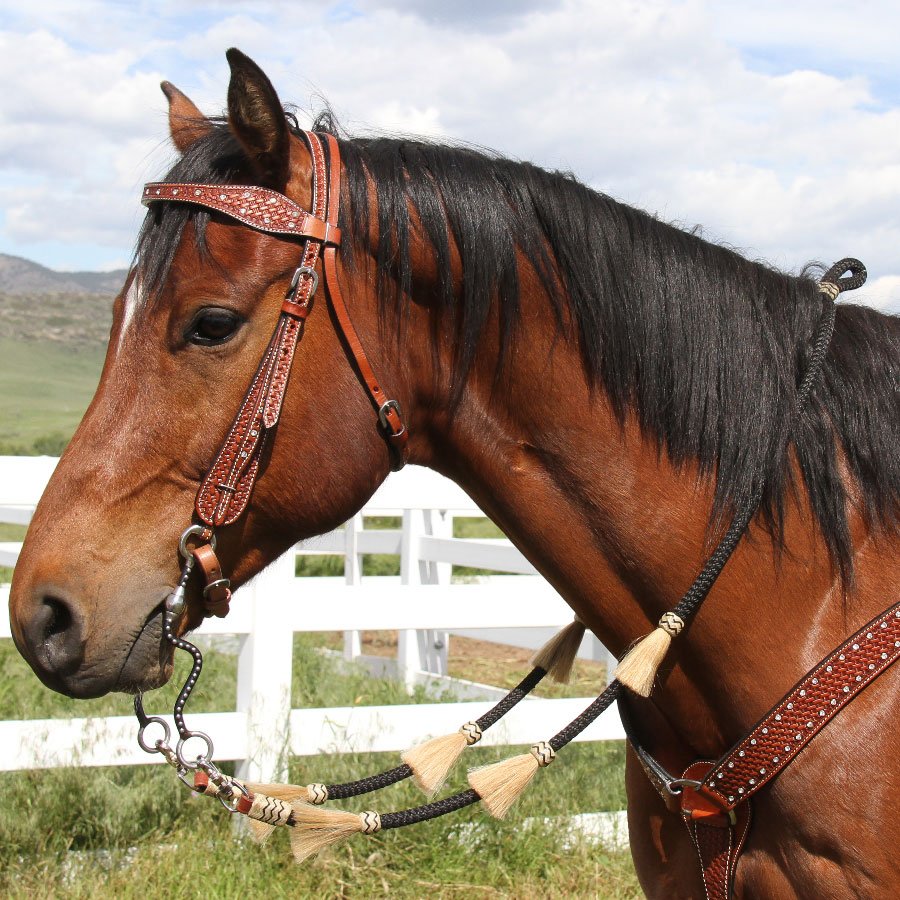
(806, 709)
(257, 207)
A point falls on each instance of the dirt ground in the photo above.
(488, 663)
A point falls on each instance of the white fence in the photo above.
(422, 605)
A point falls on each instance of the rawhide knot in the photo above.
(671, 623)
(371, 822)
(472, 733)
(317, 794)
(543, 753)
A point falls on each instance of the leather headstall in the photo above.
(225, 492)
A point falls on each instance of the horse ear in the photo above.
(256, 117)
(186, 123)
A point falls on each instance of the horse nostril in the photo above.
(59, 619)
(55, 633)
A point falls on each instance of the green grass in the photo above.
(44, 391)
(137, 832)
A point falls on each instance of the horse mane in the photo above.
(703, 346)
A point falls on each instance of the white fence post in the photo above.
(264, 674)
(353, 576)
(424, 650)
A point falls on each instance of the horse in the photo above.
(607, 387)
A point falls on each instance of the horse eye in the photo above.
(212, 326)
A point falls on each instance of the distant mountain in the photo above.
(22, 276)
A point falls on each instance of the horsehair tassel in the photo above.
(432, 761)
(500, 784)
(260, 828)
(557, 656)
(313, 829)
(637, 669)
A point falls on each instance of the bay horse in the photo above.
(607, 387)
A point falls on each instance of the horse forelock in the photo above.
(703, 346)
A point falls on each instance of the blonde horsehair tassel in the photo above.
(557, 656)
(432, 761)
(500, 784)
(289, 793)
(314, 829)
(637, 669)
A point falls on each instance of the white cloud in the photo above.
(781, 139)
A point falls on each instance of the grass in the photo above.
(44, 391)
(133, 831)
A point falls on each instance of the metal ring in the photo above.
(677, 785)
(189, 533)
(155, 748)
(185, 737)
(231, 802)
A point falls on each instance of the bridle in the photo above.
(710, 796)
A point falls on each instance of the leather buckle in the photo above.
(385, 410)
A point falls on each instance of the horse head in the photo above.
(190, 326)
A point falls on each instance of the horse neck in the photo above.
(621, 533)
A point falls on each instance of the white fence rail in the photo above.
(422, 605)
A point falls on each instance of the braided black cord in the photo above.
(696, 593)
(399, 773)
(467, 798)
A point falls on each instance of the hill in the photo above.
(22, 276)
(53, 332)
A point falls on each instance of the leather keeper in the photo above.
(320, 230)
(244, 802)
(296, 310)
(201, 781)
(216, 593)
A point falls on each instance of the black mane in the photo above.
(703, 346)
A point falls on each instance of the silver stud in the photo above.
(741, 753)
(828, 669)
(740, 790)
(221, 196)
(731, 798)
(253, 432)
(787, 748)
(821, 712)
(158, 192)
(884, 655)
(856, 646)
(842, 657)
(753, 741)
(883, 625)
(174, 192)
(871, 665)
(243, 210)
(790, 706)
(776, 759)
(815, 681)
(266, 219)
(803, 693)
(246, 194)
(731, 765)
(291, 225)
(196, 193)
(846, 689)
(777, 717)
(243, 453)
(869, 636)
(859, 677)
(762, 771)
(765, 731)
(834, 702)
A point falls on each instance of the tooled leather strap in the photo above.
(718, 835)
(805, 710)
(726, 785)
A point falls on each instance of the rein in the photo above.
(711, 795)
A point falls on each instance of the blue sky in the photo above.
(776, 126)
